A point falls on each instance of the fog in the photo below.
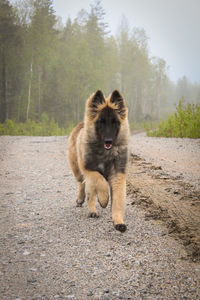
(172, 28)
(55, 54)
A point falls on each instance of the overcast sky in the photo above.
(173, 28)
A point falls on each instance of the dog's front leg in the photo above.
(118, 192)
(96, 186)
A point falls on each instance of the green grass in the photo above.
(46, 127)
(184, 123)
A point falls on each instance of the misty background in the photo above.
(172, 28)
(54, 54)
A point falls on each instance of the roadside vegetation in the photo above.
(184, 123)
(45, 127)
(50, 67)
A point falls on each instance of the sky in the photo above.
(172, 27)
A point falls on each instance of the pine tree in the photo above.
(8, 40)
(41, 39)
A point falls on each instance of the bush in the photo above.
(45, 127)
(185, 122)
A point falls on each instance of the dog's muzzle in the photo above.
(108, 144)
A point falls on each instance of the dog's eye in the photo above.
(113, 121)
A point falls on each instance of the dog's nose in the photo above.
(108, 141)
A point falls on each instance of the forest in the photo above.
(49, 69)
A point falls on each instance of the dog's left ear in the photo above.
(117, 99)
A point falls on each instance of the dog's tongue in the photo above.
(107, 146)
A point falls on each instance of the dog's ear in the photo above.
(117, 99)
(98, 98)
(94, 103)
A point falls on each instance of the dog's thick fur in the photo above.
(98, 154)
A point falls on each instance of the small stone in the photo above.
(90, 294)
(21, 242)
(33, 270)
(32, 281)
(70, 296)
(26, 252)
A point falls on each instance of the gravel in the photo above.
(50, 249)
(178, 157)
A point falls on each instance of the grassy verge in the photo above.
(184, 123)
(46, 127)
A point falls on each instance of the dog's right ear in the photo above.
(94, 103)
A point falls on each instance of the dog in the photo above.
(98, 155)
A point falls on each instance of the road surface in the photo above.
(50, 249)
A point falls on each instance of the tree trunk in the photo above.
(158, 98)
(39, 91)
(4, 103)
(29, 90)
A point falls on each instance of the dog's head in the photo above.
(107, 116)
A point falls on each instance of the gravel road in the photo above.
(176, 156)
(50, 249)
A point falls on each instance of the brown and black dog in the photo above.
(98, 155)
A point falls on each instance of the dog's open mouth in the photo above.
(108, 144)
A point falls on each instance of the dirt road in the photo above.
(50, 249)
(164, 177)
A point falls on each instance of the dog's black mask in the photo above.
(107, 127)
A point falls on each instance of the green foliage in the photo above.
(45, 127)
(184, 123)
(49, 67)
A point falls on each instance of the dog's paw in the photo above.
(103, 200)
(79, 203)
(121, 227)
(93, 215)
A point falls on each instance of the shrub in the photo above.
(185, 122)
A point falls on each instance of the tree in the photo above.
(159, 78)
(46, 67)
(134, 68)
(8, 40)
(41, 39)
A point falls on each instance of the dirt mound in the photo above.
(167, 199)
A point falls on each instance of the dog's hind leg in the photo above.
(92, 205)
(73, 161)
(91, 197)
(81, 193)
(103, 192)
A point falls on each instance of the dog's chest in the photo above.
(105, 167)
(104, 161)
(101, 167)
